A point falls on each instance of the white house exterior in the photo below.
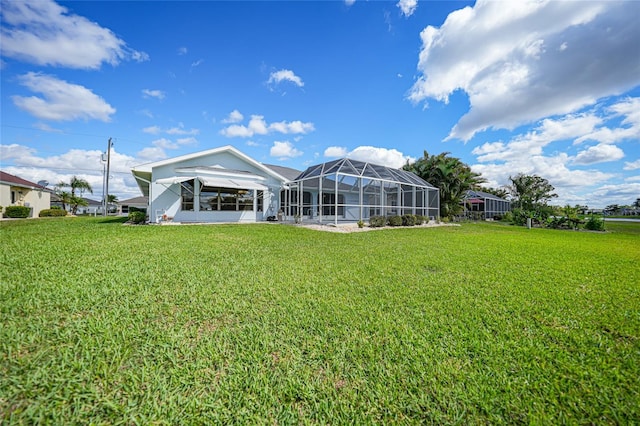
(217, 185)
(15, 191)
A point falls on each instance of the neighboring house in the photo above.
(93, 207)
(225, 185)
(482, 205)
(15, 191)
(138, 202)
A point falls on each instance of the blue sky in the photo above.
(546, 87)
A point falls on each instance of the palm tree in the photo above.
(79, 184)
(453, 177)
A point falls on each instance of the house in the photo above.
(141, 203)
(217, 185)
(225, 185)
(92, 207)
(482, 205)
(15, 191)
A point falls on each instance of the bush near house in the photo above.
(17, 212)
(137, 217)
(52, 212)
(377, 221)
(394, 221)
(408, 220)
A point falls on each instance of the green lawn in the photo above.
(271, 324)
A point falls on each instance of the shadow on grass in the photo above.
(113, 220)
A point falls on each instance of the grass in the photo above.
(264, 324)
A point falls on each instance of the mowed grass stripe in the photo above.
(481, 323)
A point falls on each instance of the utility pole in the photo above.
(103, 160)
(106, 189)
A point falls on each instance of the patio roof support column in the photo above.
(335, 201)
(361, 198)
(320, 196)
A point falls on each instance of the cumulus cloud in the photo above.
(284, 150)
(61, 101)
(536, 152)
(382, 156)
(234, 117)
(521, 61)
(152, 153)
(599, 154)
(335, 151)
(148, 93)
(632, 165)
(258, 126)
(407, 6)
(152, 130)
(180, 130)
(45, 33)
(277, 77)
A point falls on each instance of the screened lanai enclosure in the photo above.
(347, 190)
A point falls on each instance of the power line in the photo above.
(62, 168)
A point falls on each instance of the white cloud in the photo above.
(532, 143)
(285, 75)
(624, 193)
(83, 163)
(284, 150)
(632, 165)
(180, 130)
(599, 154)
(61, 101)
(335, 151)
(46, 128)
(506, 57)
(407, 6)
(382, 156)
(234, 117)
(197, 63)
(258, 126)
(148, 93)
(152, 153)
(349, 2)
(182, 51)
(629, 128)
(152, 130)
(45, 33)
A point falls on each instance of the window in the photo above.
(186, 190)
(306, 202)
(225, 199)
(329, 204)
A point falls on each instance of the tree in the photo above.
(76, 184)
(636, 203)
(530, 194)
(65, 198)
(498, 192)
(449, 174)
(111, 200)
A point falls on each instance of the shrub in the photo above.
(137, 217)
(360, 224)
(420, 219)
(52, 212)
(376, 221)
(507, 217)
(55, 208)
(594, 224)
(394, 221)
(19, 212)
(408, 220)
(137, 209)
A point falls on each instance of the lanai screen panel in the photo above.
(350, 190)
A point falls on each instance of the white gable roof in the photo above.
(148, 167)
